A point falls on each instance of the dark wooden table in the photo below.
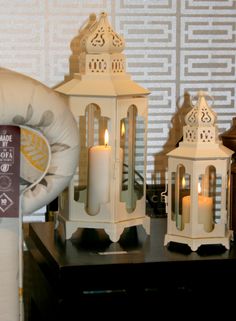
(89, 274)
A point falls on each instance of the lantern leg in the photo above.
(114, 232)
(68, 227)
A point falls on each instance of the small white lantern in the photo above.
(108, 190)
(198, 183)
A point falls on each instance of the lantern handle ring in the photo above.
(205, 94)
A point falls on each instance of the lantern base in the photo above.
(195, 243)
(113, 230)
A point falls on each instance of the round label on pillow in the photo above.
(9, 170)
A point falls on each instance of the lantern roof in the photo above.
(200, 135)
(100, 69)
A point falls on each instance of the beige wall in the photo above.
(173, 47)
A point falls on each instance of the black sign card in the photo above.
(9, 170)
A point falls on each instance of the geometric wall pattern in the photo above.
(174, 48)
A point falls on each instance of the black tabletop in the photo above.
(89, 247)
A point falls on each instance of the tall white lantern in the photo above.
(108, 190)
(198, 183)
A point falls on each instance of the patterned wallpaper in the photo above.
(174, 48)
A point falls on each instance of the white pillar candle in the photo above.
(185, 210)
(205, 210)
(98, 177)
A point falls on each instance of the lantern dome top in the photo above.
(101, 38)
(200, 122)
(201, 114)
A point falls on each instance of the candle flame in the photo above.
(183, 182)
(122, 129)
(199, 188)
(106, 137)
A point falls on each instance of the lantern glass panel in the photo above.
(218, 198)
(180, 199)
(91, 126)
(132, 144)
(228, 200)
(173, 178)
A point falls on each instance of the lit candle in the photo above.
(182, 193)
(205, 210)
(185, 209)
(122, 134)
(98, 176)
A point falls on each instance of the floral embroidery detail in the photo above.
(45, 121)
